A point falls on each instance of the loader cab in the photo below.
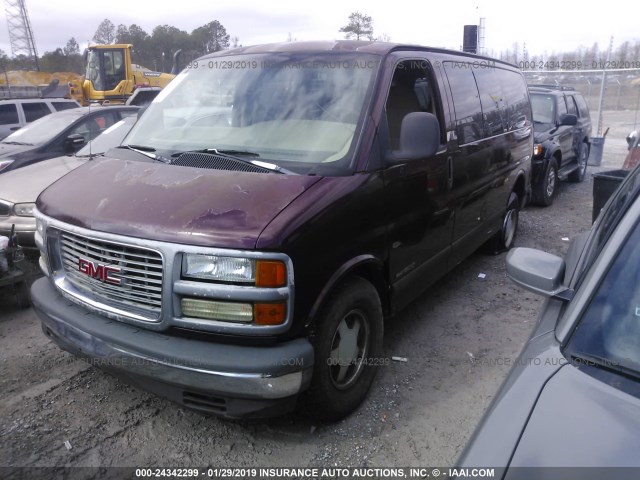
(105, 68)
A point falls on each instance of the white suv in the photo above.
(17, 112)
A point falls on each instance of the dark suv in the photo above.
(562, 131)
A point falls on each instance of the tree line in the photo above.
(154, 51)
(626, 55)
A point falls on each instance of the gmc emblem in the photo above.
(104, 273)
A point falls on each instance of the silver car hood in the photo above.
(25, 184)
(7, 149)
(580, 421)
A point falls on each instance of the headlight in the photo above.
(24, 209)
(261, 273)
(4, 164)
(537, 150)
(222, 269)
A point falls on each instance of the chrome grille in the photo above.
(140, 272)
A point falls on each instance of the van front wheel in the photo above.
(348, 346)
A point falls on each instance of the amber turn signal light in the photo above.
(269, 313)
(271, 273)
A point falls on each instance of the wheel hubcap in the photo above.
(349, 347)
(509, 226)
(551, 182)
(583, 161)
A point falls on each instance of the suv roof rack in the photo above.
(551, 87)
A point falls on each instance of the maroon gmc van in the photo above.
(239, 252)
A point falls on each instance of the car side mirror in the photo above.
(74, 142)
(419, 138)
(568, 119)
(537, 271)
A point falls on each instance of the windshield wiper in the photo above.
(218, 151)
(147, 152)
(237, 155)
(17, 143)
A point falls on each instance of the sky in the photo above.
(544, 26)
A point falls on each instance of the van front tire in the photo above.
(348, 347)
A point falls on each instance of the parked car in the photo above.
(562, 138)
(633, 157)
(573, 395)
(20, 188)
(244, 244)
(15, 113)
(58, 134)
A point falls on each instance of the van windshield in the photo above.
(291, 110)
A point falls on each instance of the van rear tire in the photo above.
(506, 236)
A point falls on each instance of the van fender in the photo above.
(370, 268)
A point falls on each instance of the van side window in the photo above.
(8, 114)
(514, 89)
(411, 91)
(466, 101)
(493, 101)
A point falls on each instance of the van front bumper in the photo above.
(223, 379)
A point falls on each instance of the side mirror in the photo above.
(74, 142)
(568, 119)
(419, 137)
(631, 139)
(537, 271)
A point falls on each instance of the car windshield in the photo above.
(42, 130)
(292, 111)
(609, 332)
(543, 108)
(111, 137)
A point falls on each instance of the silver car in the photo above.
(573, 397)
(20, 188)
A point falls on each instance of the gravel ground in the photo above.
(419, 413)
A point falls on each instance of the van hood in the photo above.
(23, 185)
(172, 203)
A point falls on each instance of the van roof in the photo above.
(375, 48)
